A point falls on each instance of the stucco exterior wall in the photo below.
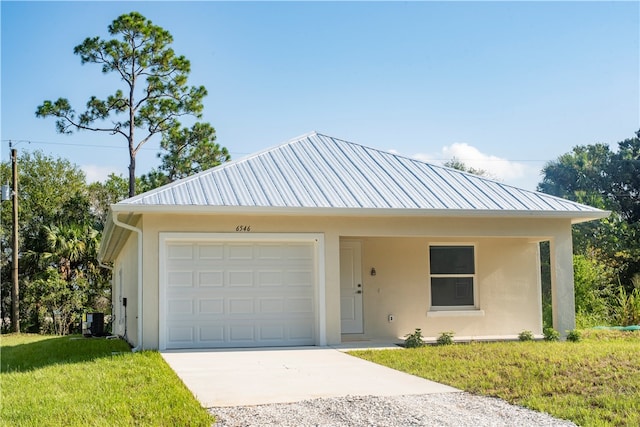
(125, 285)
(508, 280)
(508, 288)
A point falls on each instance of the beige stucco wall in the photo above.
(507, 286)
(507, 269)
(125, 285)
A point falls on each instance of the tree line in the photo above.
(606, 252)
(606, 260)
(62, 216)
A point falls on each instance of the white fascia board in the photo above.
(106, 237)
(590, 216)
(575, 216)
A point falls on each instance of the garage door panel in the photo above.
(180, 251)
(211, 306)
(211, 251)
(239, 251)
(268, 252)
(245, 294)
(240, 278)
(299, 251)
(241, 333)
(210, 278)
(271, 332)
(302, 305)
(212, 335)
(176, 278)
(271, 305)
(299, 278)
(241, 306)
(269, 277)
(302, 331)
(180, 335)
(177, 307)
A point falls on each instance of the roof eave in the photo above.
(590, 216)
(113, 237)
(106, 238)
(575, 216)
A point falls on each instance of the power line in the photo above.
(114, 147)
(71, 144)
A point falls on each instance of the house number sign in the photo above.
(243, 228)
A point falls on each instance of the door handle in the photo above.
(358, 292)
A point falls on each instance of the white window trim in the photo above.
(472, 312)
(453, 310)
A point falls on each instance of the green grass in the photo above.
(594, 382)
(73, 381)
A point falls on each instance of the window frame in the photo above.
(473, 276)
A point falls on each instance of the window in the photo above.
(452, 270)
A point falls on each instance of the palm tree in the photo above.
(69, 279)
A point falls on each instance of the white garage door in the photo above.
(221, 293)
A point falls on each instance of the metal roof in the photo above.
(316, 171)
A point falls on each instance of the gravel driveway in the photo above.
(446, 409)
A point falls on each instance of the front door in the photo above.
(351, 288)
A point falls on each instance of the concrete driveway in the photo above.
(244, 377)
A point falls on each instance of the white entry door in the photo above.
(351, 288)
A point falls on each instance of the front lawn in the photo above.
(593, 382)
(74, 381)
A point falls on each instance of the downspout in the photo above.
(138, 231)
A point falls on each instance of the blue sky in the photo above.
(504, 86)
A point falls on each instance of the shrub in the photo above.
(626, 310)
(593, 289)
(574, 335)
(525, 336)
(445, 338)
(414, 340)
(586, 320)
(551, 334)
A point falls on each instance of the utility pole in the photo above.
(15, 290)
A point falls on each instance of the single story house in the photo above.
(319, 241)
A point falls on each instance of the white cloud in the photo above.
(428, 158)
(95, 173)
(496, 167)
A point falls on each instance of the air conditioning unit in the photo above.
(93, 324)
